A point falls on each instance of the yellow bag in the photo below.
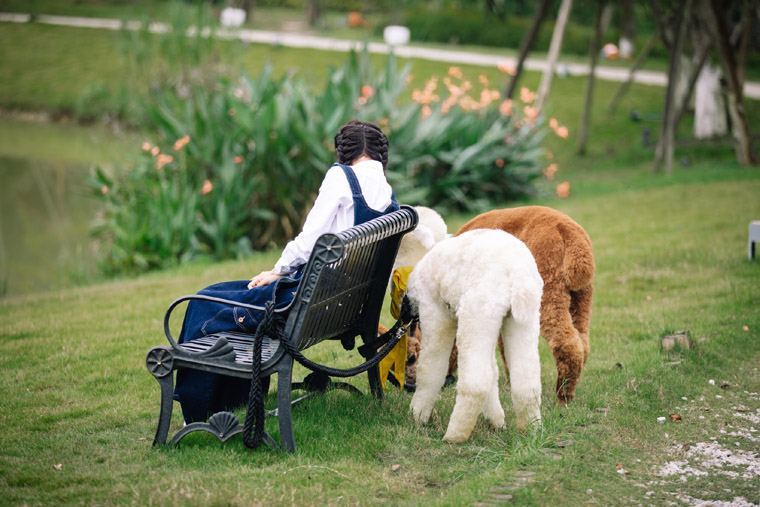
(396, 358)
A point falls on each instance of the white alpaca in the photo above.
(430, 230)
(470, 288)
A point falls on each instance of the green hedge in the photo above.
(235, 166)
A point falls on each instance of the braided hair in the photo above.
(357, 138)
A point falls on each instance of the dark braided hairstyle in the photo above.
(357, 138)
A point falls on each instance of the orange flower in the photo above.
(483, 79)
(506, 107)
(550, 170)
(207, 187)
(507, 67)
(162, 160)
(104, 190)
(527, 96)
(499, 162)
(455, 72)
(155, 151)
(146, 146)
(426, 111)
(562, 132)
(563, 189)
(367, 91)
(181, 142)
(531, 113)
(553, 124)
(238, 159)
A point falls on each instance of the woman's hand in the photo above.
(263, 278)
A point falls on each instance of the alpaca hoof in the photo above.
(455, 438)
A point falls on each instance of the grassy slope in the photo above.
(670, 253)
(668, 258)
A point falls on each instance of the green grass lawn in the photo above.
(669, 257)
(79, 408)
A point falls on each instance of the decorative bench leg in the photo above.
(284, 412)
(374, 382)
(159, 363)
(167, 402)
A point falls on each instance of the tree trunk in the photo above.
(313, 11)
(626, 29)
(554, 47)
(248, 6)
(743, 145)
(664, 151)
(623, 88)
(526, 43)
(603, 14)
(710, 109)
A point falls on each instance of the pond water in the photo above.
(45, 204)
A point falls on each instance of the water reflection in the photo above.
(45, 209)
(45, 204)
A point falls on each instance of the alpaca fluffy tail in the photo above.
(527, 288)
(578, 266)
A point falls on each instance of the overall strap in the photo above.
(353, 182)
(363, 212)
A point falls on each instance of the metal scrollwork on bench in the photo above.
(159, 362)
(223, 425)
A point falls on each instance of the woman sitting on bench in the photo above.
(353, 191)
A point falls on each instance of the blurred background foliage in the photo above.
(233, 162)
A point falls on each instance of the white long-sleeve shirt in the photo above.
(333, 210)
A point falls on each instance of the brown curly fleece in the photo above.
(565, 260)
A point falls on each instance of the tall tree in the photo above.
(602, 17)
(733, 71)
(623, 88)
(313, 11)
(527, 43)
(554, 48)
(664, 150)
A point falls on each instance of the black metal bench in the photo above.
(340, 296)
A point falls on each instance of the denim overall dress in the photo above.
(202, 393)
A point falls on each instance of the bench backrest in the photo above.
(344, 283)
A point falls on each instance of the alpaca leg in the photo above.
(477, 333)
(562, 338)
(521, 347)
(439, 328)
(580, 310)
(492, 409)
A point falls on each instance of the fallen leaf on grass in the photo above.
(675, 417)
(686, 447)
(741, 408)
(59, 466)
(395, 467)
(745, 328)
(725, 386)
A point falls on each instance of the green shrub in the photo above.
(236, 165)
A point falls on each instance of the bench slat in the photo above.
(242, 343)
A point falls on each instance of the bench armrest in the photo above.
(229, 302)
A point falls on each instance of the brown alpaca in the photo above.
(565, 260)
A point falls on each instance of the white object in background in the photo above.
(232, 17)
(395, 35)
(710, 118)
(626, 48)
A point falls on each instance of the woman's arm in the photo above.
(333, 193)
